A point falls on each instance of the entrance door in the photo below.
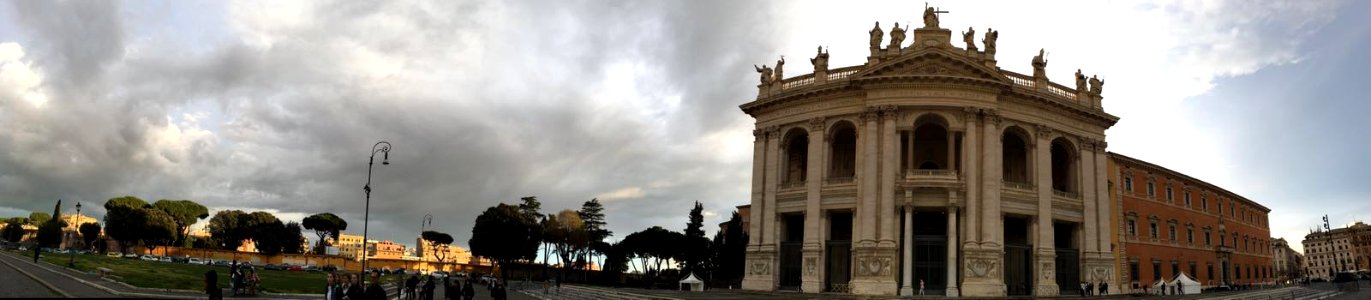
(1068, 258)
(930, 252)
(838, 253)
(1018, 257)
(790, 252)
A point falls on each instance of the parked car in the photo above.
(295, 268)
(195, 261)
(114, 254)
(273, 267)
(224, 263)
(148, 257)
(438, 274)
(131, 255)
(164, 259)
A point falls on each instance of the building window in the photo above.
(1187, 199)
(1175, 268)
(1208, 271)
(1156, 270)
(1154, 229)
(1128, 183)
(1151, 190)
(1132, 228)
(1192, 270)
(1168, 193)
(1207, 242)
(1133, 271)
(1204, 203)
(1190, 238)
(1171, 232)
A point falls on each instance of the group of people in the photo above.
(454, 289)
(243, 280)
(1091, 289)
(349, 287)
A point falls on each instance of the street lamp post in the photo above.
(71, 255)
(384, 148)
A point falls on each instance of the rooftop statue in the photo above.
(780, 69)
(876, 35)
(1096, 85)
(820, 60)
(1039, 65)
(1080, 81)
(990, 36)
(930, 17)
(969, 36)
(896, 36)
(766, 73)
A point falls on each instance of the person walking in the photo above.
(374, 290)
(1082, 288)
(1089, 288)
(468, 292)
(355, 290)
(1180, 287)
(1104, 288)
(410, 285)
(454, 290)
(331, 291)
(921, 287)
(212, 286)
(428, 288)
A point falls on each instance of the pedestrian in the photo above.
(1180, 286)
(1089, 288)
(921, 287)
(374, 291)
(212, 286)
(1082, 288)
(410, 285)
(454, 291)
(35, 253)
(1104, 288)
(499, 292)
(333, 291)
(428, 288)
(468, 292)
(355, 290)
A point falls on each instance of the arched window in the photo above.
(1063, 165)
(930, 143)
(796, 156)
(842, 160)
(1014, 155)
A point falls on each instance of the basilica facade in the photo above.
(928, 169)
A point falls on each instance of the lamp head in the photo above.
(385, 159)
(78, 205)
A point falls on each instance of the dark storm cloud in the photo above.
(484, 102)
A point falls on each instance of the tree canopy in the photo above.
(184, 213)
(38, 218)
(656, 244)
(158, 228)
(438, 243)
(12, 232)
(504, 234)
(694, 245)
(324, 225)
(227, 228)
(89, 232)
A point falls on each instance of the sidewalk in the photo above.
(85, 285)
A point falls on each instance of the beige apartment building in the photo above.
(1288, 264)
(929, 165)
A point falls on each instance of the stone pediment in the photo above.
(933, 62)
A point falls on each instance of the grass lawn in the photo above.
(151, 274)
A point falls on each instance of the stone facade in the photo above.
(1288, 264)
(927, 168)
(1172, 223)
(1337, 250)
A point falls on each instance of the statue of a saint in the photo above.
(896, 36)
(876, 35)
(1080, 81)
(780, 69)
(1096, 85)
(969, 36)
(766, 73)
(930, 17)
(1039, 65)
(820, 60)
(990, 36)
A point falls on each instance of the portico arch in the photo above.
(1064, 166)
(930, 151)
(842, 161)
(796, 156)
(1014, 152)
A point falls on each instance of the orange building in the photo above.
(1172, 223)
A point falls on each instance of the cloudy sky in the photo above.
(274, 105)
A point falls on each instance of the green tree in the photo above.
(38, 218)
(184, 212)
(293, 239)
(730, 246)
(504, 234)
(593, 215)
(438, 242)
(89, 232)
(13, 232)
(50, 232)
(269, 235)
(694, 245)
(158, 228)
(567, 235)
(227, 227)
(656, 245)
(120, 222)
(324, 225)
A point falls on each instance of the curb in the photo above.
(39, 280)
(130, 294)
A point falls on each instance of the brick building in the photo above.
(1172, 223)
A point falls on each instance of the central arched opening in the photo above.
(930, 149)
(843, 153)
(1063, 166)
(1014, 155)
(796, 156)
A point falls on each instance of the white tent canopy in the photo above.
(1187, 284)
(695, 285)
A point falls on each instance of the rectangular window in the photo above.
(1190, 238)
(1132, 228)
(1154, 230)
(1171, 232)
(1208, 271)
(1187, 199)
(1156, 271)
(1207, 241)
(1128, 184)
(1168, 193)
(1192, 270)
(1151, 189)
(1133, 271)
(1204, 203)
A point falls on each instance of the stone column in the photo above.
(758, 186)
(908, 253)
(951, 148)
(1086, 160)
(952, 243)
(909, 150)
(991, 232)
(813, 245)
(758, 274)
(887, 169)
(1046, 256)
(1102, 195)
(970, 172)
(773, 179)
(868, 177)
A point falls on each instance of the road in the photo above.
(19, 285)
(50, 274)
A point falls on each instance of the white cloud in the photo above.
(19, 79)
(628, 193)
